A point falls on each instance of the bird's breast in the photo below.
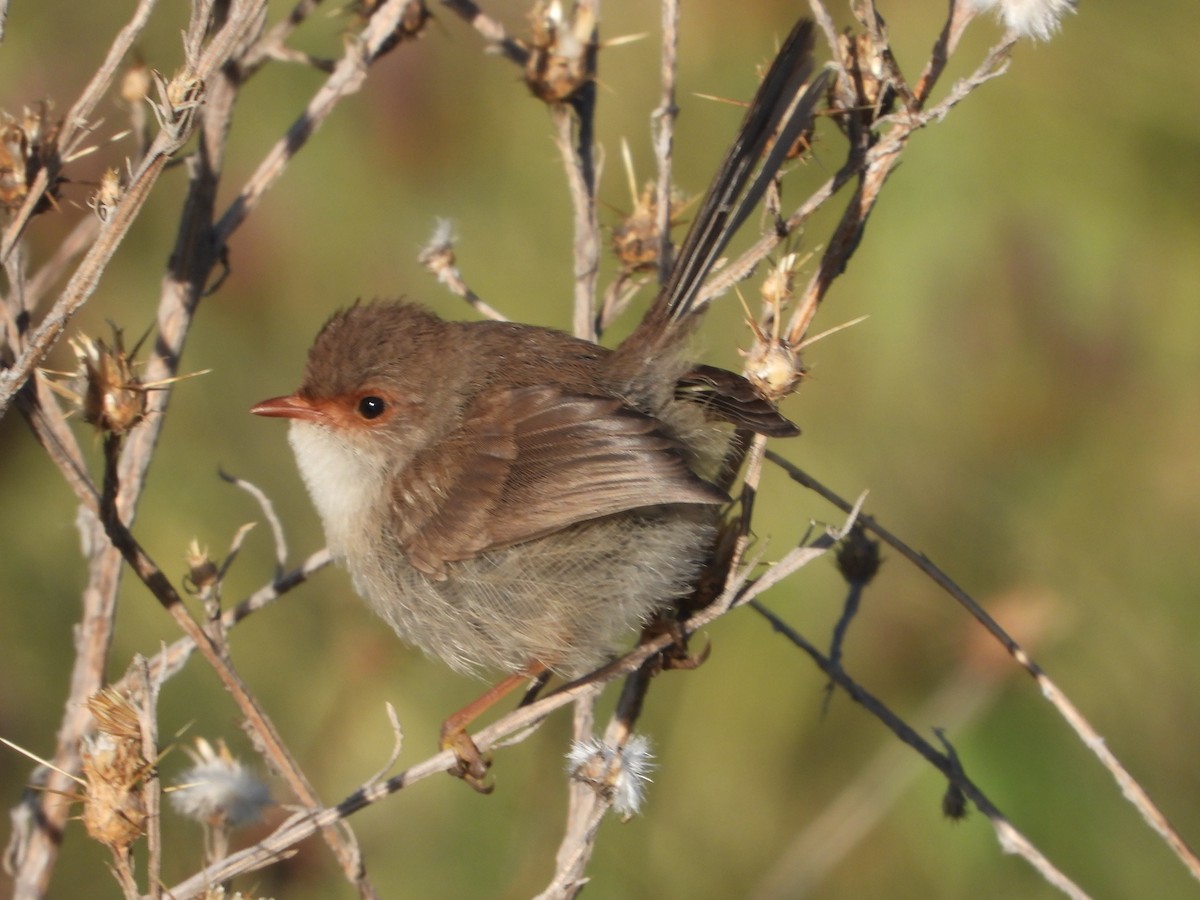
(347, 488)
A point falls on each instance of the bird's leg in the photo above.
(535, 687)
(473, 765)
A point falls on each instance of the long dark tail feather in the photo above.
(776, 112)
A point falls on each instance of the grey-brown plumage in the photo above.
(500, 510)
(511, 497)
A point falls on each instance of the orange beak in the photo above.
(292, 406)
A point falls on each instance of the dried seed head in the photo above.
(773, 364)
(113, 398)
(778, 286)
(438, 254)
(26, 147)
(136, 82)
(184, 89)
(617, 774)
(1038, 19)
(106, 197)
(413, 20)
(178, 99)
(864, 61)
(218, 790)
(858, 557)
(114, 812)
(562, 51)
(954, 803)
(636, 241)
(774, 367)
(115, 714)
(203, 573)
(106, 388)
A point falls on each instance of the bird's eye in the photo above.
(371, 407)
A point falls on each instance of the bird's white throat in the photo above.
(344, 484)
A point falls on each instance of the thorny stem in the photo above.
(77, 120)
(86, 277)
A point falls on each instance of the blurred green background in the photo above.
(1022, 405)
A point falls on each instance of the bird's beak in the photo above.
(291, 407)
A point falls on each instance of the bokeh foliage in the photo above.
(1022, 404)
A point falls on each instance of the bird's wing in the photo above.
(529, 461)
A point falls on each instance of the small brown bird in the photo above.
(510, 497)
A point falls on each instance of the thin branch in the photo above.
(268, 511)
(584, 815)
(832, 835)
(146, 692)
(256, 718)
(1091, 738)
(169, 661)
(82, 236)
(305, 824)
(274, 38)
(959, 16)
(86, 277)
(347, 78)
(662, 127)
(843, 87)
(576, 153)
(491, 30)
(1011, 840)
(437, 256)
(76, 119)
(741, 268)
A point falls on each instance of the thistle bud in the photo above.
(114, 812)
(773, 364)
(562, 51)
(113, 398)
(107, 195)
(27, 147)
(135, 83)
(202, 573)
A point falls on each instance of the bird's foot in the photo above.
(472, 766)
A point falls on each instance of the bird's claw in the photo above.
(471, 765)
